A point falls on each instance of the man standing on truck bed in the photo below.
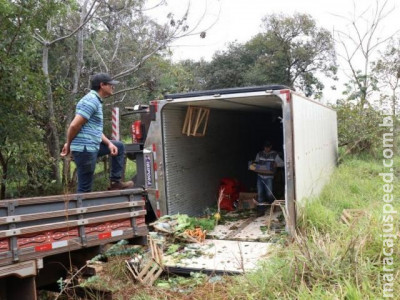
(269, 160)
(86, 140)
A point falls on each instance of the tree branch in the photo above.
(117, 46)
(86, 19)
(14, 37)
(141, 62)
(101, 58)
(128, 89)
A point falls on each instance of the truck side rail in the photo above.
(32, 228)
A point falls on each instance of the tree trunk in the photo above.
(54, 143)
(75, 87)
(4, 167)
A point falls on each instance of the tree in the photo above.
(48, 51)
(297, 50)
(359, 45)
(358, 130)
(368, 81)
(227, 68)
(21, 89)
(121, 40)
(291, 51)
(387, 70)
(46, 39)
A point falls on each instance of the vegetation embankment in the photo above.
(329, 259)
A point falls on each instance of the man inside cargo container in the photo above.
(268, 160)
(86, 140)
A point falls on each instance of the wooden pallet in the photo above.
(153, 267)
(276, 203)
(155, 250)
(148, 274)
(196, 121)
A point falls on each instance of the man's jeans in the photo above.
(264, 189)
(86, 164)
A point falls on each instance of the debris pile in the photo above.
(168, 230)
(184, 228)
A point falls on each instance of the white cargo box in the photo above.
(184, 171)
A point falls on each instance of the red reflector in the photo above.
(154, 147)
(155, 104)
(287, 92)
(105, 235)
(157, 194)
(155, 166)
(158, 213)
(45, 247)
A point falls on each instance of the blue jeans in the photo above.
(264, 189)
(86, 163)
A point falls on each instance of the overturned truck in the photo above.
(195, 139)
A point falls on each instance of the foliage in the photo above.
(204, 223)
(387, 70)
(118, 249)
(227, 68)
(180, 222)
(60, 283)
(22, 154)
(182, 284)
(114, 37)
(358, 129)
(183, 76)
(358, 46)
(173, 248)
(291, 51)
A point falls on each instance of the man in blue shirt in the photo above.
(86, 141)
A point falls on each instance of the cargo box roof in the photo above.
(242, 99)
(226, 91)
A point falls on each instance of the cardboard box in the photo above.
(247, 201)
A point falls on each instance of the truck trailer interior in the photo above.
(236, 130)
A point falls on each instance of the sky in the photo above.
(240, 20)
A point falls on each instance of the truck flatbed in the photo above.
(33, 228)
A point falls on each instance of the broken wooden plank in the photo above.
(350, 215)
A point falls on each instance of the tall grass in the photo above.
(328, 259)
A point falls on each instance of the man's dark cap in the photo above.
(102, 78)
(267, 144)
